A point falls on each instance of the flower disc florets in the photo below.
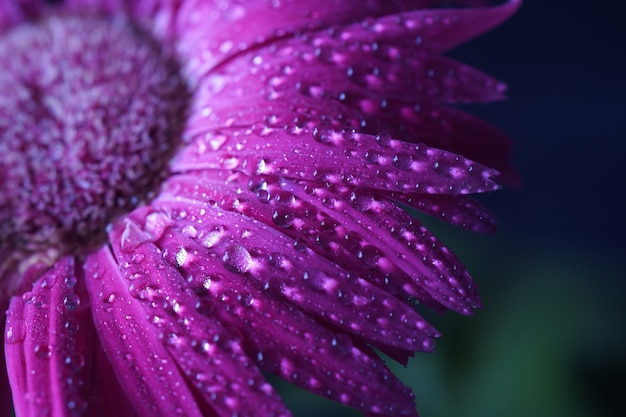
(89, 115)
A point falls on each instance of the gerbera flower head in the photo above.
(194, 192)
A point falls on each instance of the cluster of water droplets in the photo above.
(48, 327)
(251, 277)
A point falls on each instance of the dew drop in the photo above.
(181, 256)
(70, 281)
(368, 256)
(245, 300)
(190, 231)
(229, 162)
(283, 217)
(206, 283)
(75, 361)
(361, 200)
(212, 237)
(154, 225)
(71, 302)
(321, 135)
(371, 156)
(108, 299)
(263, 196)
(237, 259)
(383, 139)
(300, 245)
(71, 326)
(43, 351)
(402, 160)
(137, 258)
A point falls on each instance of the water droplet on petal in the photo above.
(181, 256)
(371, 156)
(190, 231)
(368, 256)
(283, 217)
(43, 351)
(71, 302)
(383, 139)
(324, 136)
(75, 361)
(361, 200)
(402, 160)
(237, 259)
(212, 237)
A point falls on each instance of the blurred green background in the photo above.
(551, 338)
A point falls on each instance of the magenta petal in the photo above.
(264, 199)
(433, 30)
(360, 233)
(6, 401)
(144, 368)
(403, 242)
(413, 121)
(48, 343)
(281, 337)
(297, 274)
(335, 158)
(222, 32)
(308, 67)
(459, 210)
(209, 354)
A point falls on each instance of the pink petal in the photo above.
(144, 368)
(221, 32)
(333, 158)
(434, 125)
(48, 343)
(305, 279)
(210, 355)
(458, 210)
(264, 199)
(283, 339)
(307, 66)
(6, 401)
(351, 228)
(433, 30)
(402, 241)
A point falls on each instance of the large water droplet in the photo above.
(237, 259)
(322, 135)
(75, 361)
(383, 139)
(361, 200)
(212, 237)
(368, 256)
(71, 302)
(283, 217)
(43, 351)
(402, 160)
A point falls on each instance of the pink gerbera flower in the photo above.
(193, 192)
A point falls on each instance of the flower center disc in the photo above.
(90, 112)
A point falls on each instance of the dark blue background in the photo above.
(564, 63)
